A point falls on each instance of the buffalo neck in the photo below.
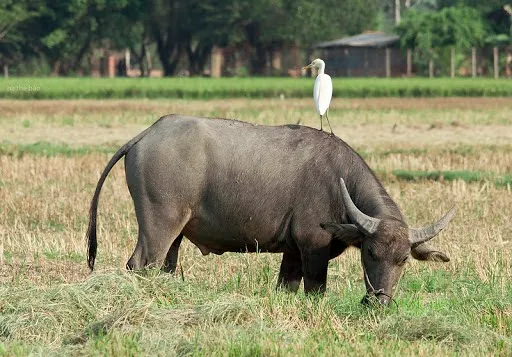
(365, 189)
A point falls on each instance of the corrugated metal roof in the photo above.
(371, 39)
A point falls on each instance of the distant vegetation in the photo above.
(206, 88)
(65, 38)
(468, 176)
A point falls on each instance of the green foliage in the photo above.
(458, 27)
(432, 34)
(64, 33)
(14, 15)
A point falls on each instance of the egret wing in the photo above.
(322, 93)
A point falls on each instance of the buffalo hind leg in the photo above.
(314, 266)
(171, 260)
(290, 274)
(158, 229)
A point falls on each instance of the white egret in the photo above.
(322, 92)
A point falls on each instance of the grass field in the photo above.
(52, 153)
(274, 87)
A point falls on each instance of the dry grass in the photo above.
(227, 304)
(368, 124)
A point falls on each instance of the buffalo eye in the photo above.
(402, 261)
(372, 254)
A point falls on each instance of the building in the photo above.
(370, 54)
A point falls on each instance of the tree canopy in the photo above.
(63, 35)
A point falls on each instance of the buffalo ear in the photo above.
(346, 233)
(426, 252)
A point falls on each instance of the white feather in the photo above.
(322, 93)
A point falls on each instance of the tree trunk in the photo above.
(258, 59)
(80, 55)
(168, 47)
(142, 58)
(197, 57)
(169, 55)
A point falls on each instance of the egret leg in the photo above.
(327, 117)
(321, 123)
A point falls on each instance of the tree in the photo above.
(65, 32)
(432, 33)
(129, 28)
(164, 22)
(268, 24)
(207, 24)
(14, 15)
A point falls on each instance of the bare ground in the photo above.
(364, 123)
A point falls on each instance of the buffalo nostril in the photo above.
(383, 300)
(373, 299)
(129, 265)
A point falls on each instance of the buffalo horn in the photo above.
(366, 223)
(422, 235)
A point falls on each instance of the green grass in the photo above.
(208, 88)
(153, 313)
(467, 176)
(43, 148)
(52, 153)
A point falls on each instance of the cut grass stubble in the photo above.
(227, 305)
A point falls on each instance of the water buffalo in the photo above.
(230, 186)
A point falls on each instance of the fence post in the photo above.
(495, 54)
(127, 60)
(388, 62)
(473, 62)
(216, 62)
(452, 62)
(431, 68)
(6, 71)
(409, 62)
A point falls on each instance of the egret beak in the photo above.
(308, 66)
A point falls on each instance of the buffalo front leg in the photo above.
(314, 266)
(171, 260)
(290, 274)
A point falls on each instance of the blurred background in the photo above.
(222, 38)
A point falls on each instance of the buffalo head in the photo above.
(386, 245)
